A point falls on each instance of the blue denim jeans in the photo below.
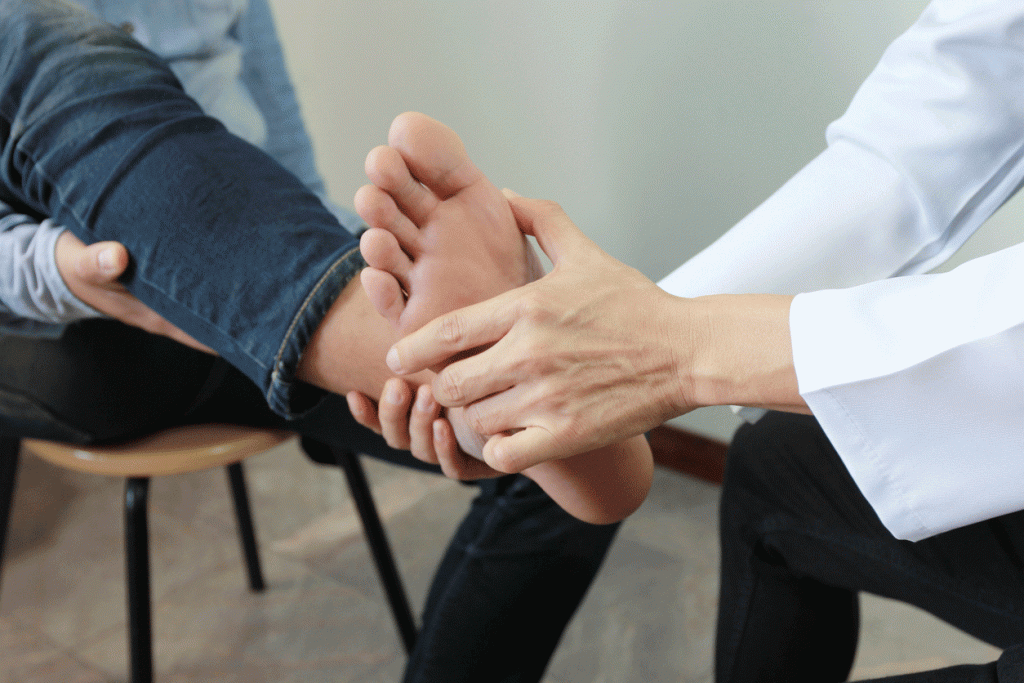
(226, 244)
(799, 541)
(96, 133)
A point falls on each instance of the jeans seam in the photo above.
(276, 382)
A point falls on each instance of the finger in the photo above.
(516, 452)
(119, 303)
(509, 410)
(467, 328)
(188, 340)
(393, 411)
(101, 263)
(557, 234)
(474, 378)
(454, 463)
(421, 431)
(363, 411)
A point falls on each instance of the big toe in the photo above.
(433, 152)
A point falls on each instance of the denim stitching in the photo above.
(275, 380)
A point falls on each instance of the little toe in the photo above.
(381, 250)
(433, 153)
(384, 293)
(386, 169)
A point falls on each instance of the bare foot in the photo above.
(442, 235)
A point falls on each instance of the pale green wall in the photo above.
(657, 125)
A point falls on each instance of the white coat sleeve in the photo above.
(919, 382)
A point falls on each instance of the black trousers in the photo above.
(510, 580)
(799, 542)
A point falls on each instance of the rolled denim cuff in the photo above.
(286, 394)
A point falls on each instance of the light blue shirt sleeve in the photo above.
(34, 300)
(230, 60)
(265, 76)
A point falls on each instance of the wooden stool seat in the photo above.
(189, 449)
(171, 451)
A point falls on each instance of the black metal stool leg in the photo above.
(9, 450)
(136, 536)
(379, 546)
(376, 538)
(246, 530)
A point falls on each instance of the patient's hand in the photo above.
(411, 420)
(91, 272)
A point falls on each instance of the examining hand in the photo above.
(91, 272)
(584, 357)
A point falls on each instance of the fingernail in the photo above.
(107, 259)
(511, 194)
(391, 393)
(393, 362)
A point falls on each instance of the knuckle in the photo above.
(476, 420)
(452, 329)
(532, 306)
(551, 207)
(534, 350)
(449, 386)
(503, 460)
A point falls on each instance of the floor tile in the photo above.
(650, 615)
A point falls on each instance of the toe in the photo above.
(433, 153)
(384, 293)
(378, 209)
(386, 169)
(381, 250)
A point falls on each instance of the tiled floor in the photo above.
(649, 617)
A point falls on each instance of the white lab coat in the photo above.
(918, 380)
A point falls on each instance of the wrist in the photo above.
(742, 352)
